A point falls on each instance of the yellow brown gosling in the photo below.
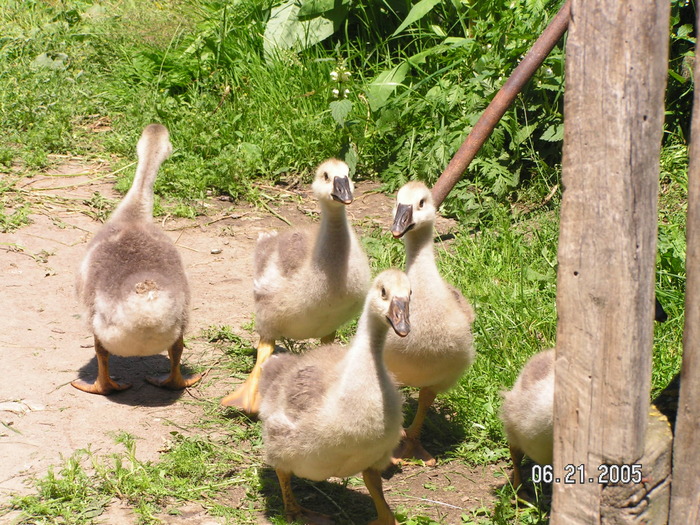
(336, 411)
(308, 282)
(439, 348)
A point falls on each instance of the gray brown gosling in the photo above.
(131, 282)
(439, 348)
(308, 282)
(527, 413)
(335, 411)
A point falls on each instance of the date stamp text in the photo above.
(576, 474)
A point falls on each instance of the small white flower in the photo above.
(488, 46)
(334, 76)
(346, 93)
(345, 76)
(336, 92)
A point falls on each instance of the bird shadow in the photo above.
(336, 499)
(441, 434)
(134, 370)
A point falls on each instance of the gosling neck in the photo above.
(364, 371)
(419, 247)
(138, 202)
(333, 216)
(333, 243)
(371, 333)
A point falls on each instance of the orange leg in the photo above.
(373, 482)
(410, 446)
(292, 510)
(247, 397)
(175, 380)
(104, 384)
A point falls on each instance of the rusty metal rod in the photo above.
(500, 103)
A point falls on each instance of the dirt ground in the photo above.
(44, 343)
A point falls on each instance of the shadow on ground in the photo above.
(134, 370)
(336, 499)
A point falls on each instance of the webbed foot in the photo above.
(246, 399)
(174, 381)
(412, 448)
(104, 384)
(101, 386)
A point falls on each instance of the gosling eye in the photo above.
(383, 293)
(421, 203)
(325, 176)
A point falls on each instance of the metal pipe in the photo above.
(500, 103)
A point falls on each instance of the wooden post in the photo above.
(616, 60)
(685, 492)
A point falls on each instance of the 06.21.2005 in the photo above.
(576, 474)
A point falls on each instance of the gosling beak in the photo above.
(398, 316)
(341, 190)
(403, 220)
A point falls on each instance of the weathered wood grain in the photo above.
(644, 503)
(685, 492)
(616, 75)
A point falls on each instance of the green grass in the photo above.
(194, 468)
(237, 116)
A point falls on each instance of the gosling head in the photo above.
(389, 298)
(332, 183)
(154, 142)
(415, 209)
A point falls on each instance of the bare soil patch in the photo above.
(44, 345)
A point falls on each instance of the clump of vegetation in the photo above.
(192, 469)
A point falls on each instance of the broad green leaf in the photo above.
(684, 30)
(553, 133)
(458, 41)
(384, 84)
(417, 12)
(523, 133)
(420, 58)
(439, 31)
(678, 77)
(312, 8)
(284, 30)
(349, 155)
(340, 109)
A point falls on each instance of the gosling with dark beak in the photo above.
(341, 190)
(403, 220)
(398, 316)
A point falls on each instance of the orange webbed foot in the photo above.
(246, 399)
(177, 382)
(412, 448)
(101, 387)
